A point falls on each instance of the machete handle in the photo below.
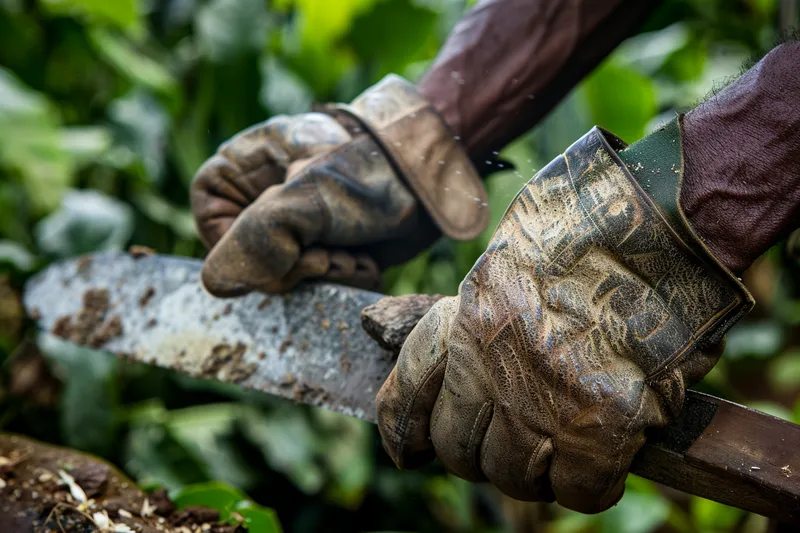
(714, 449)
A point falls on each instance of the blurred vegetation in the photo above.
(107, 107)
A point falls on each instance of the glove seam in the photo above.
(480, 417)
(535, 455)
(716, 321)
(403, 425)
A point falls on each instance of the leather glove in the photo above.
(580, 327)
(338, 195)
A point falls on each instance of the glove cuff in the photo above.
(693, 298)
(423, 151)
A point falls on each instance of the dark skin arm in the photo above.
(742, 161)
(509, 62)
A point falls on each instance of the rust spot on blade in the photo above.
(345, 363)
(90, 326)
(285, 345)
(309, 394)
(146, 297)
(225, 362)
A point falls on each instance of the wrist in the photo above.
(741, 184)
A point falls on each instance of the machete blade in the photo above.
(306, 346)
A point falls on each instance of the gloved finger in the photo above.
(405, 401)
(457, 430)
(346, 198)
(586, 482)
(338, 266)
(265, 242)
(671, 384)
(354, 270)
(252, 161)
(515, 459)
(593, 455)
(464, 409)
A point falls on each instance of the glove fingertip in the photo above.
(218, 279)
(407, 398)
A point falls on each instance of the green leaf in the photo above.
(90, 400)
(620, 100)
(322, 22)
(784, 372)
(450, 499)
(31, 143)
(121, 13)
(227, 28)
(712, 516)
(143, 125)
(258, 519)
(397, 49)
(137, 67)
(153, 454)
(178, 219)
(213, 495)
(282, 91)
(637, 512)
(647, 52)
(86, 143)
(87, 221)
(206, 431)
(408, 277)
(16, 255)
(289, 445)
(772, 408)
(348, 457)
(754, 339)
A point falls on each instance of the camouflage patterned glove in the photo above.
(580, 327)
(336, 195)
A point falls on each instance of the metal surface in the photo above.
(308, 345)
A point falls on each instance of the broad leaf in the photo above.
(227, 28)
(87, 221)
(620, 100)
(31, 143)
(121, 13)
(90, 399)
(135, 66)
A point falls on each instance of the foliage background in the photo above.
(108, 107)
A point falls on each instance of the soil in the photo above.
(36, 496)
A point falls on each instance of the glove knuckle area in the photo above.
(405, 401)
(590, 478)
(262, 246)
(516, 459)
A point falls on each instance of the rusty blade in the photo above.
(308, 345)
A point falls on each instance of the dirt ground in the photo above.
(46, 489)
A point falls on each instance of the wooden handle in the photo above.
(714, 449)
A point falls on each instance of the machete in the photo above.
(310, 346)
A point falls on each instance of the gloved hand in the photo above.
(337, 195)
(580, 327)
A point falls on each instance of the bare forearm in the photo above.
(741, 188)
(509, 62)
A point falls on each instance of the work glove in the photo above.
(579, 328)
(338, 194)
